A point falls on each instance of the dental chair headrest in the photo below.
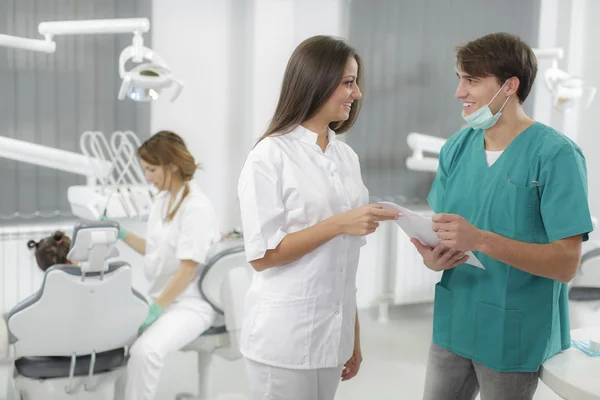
(93, 244)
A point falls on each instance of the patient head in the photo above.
(51, 250)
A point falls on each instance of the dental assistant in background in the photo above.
(514, 191)
(182, 227)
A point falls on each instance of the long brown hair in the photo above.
(51, 250)
(313, 73)
(167, 148)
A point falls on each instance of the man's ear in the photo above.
(512, 86)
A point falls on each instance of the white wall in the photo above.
(572, 25)
(279, 27)
(588, 122)
(194, 39)
(231, 55)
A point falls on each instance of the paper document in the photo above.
(419, 227)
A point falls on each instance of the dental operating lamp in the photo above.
(143, 82)
(567, 91)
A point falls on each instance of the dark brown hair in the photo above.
(166, 148)
(51, 250)
(313, 73)
(502, 56)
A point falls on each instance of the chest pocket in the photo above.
(513, 209)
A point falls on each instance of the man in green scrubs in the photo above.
(514, 191)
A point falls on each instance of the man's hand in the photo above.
(456, 232)
(441, 258)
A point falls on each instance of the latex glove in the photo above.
(154, 312)
(122, 232)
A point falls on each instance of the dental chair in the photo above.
(69, 341)
(584, 289)
(223, 284)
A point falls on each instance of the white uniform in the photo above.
(188, 236)
(299, 316)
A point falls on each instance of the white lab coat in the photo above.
(300, 315)
(188, 236)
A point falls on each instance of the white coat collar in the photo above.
(310, 137)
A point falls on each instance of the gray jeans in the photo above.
(452, 377)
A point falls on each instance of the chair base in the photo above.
(99, 387)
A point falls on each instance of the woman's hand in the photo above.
(353, 364)
(154, 312)
(365, 220)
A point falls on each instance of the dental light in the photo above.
(567, 91)
(142, 83)
(145, 82)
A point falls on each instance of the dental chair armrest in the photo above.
(233, 296)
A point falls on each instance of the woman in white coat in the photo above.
(305, 214)
(181, 228)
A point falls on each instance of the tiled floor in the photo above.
(394, 354)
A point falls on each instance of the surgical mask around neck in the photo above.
(483, 118)
(584, 345)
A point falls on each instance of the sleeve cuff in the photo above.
(197, 255)
(257, 250)
(570, 233)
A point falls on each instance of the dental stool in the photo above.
(223, 284)
(69, 341)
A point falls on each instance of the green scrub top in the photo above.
(536, 192)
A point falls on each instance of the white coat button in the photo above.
(332, 174)
(337, 312)
(337, 303)
(341, 269)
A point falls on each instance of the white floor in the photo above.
(395, 355)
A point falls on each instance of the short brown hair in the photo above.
(51, 250)
(502, 56)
